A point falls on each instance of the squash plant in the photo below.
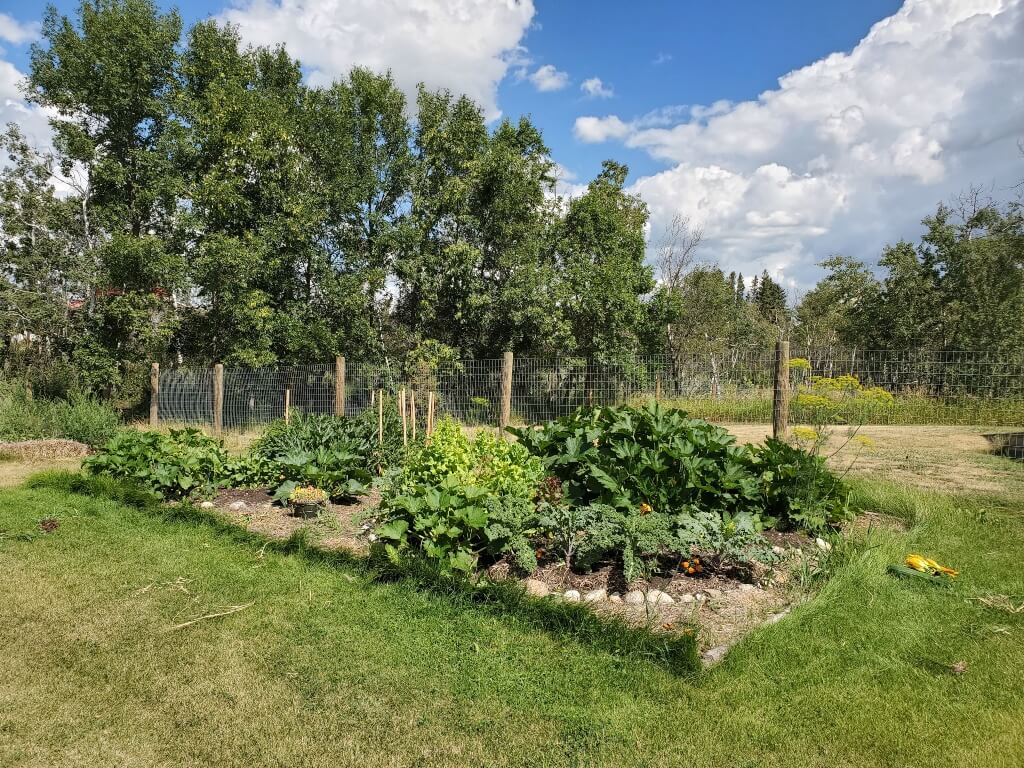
(626, 456)
(174, 465)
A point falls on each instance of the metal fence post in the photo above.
(780, 400)
(339, 385)
(154, 395)
(505, 415)
(218, 398)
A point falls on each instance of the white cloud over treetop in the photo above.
(13, 31)
(461, 45)
(548, 78)
(850, 151)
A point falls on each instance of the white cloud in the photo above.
(463, 45)
(13, 31)
(849, 152)
(13, 109)
(594, 130)
(594, 88)
(547, 78)
(662, 58)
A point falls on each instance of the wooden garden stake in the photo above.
(505, 413)
(430, 413)
(405, 420)
(287, 406)
(657, 387)
(780, 399)
(339, 386)
(380, 417)
(412, 412)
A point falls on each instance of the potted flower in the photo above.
(307, 500)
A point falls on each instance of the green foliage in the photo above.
(798, 489)
(457, 499)
(80, 418)
(446, 523)
(337, 454)
(175, 465)
(625, 456)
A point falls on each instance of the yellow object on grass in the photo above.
(927, 565)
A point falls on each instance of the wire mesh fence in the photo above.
(854, 386)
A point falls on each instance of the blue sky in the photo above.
(705, 51)
(788, 130)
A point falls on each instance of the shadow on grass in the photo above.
(561, 619)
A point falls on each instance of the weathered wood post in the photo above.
(218, 398)
(657, 386)
(287, 406)
(154, 395)
(780, 400)
(412, 412)
(505, 414)
(339, 385)
(380, 417)
(405, 416)
(430, 414)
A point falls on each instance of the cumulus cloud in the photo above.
(849, 152)
(13, 31)
(32, 120)
(593, 130)
(594, 88)
(466, 46)
(548, 78)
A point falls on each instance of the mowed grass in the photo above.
(326, 668)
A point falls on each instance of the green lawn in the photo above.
(327, 668)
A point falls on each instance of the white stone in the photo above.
(536, 588)
(572, 595)
(206, 505)
(635, 597)
(615, 597)
(372, 537)
(715, 655)
(657, 597)
(747, 587)
(595, 596)
(823, 545)
(712, 592)
(778, 550)
(687, 598)
(237, 505)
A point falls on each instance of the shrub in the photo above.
(174, 465)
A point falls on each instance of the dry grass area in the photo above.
(14, 471)
(950, 458)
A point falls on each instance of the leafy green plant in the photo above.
(175, 465)
(625, 456)
(447, 523)
(486, 485)
(797, 487)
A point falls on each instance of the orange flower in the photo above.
(645, 508)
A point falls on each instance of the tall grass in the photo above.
(80, 417)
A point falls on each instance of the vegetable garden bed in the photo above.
(643, 514)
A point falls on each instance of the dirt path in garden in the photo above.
(341, 526)
(940, 458)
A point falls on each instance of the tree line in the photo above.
(202, 203)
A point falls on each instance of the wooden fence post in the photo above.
(218, 398)
(154, 395)
(780, 400)
(287, 406)
(380, 417)
(505, 415)
(339, 385)
(430, 414)
(657, 386)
